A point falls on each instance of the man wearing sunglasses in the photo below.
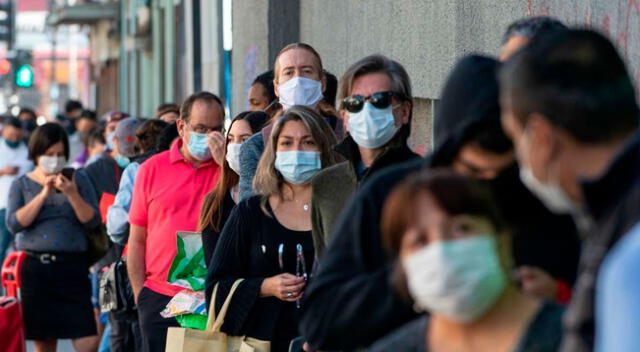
(375, 95)
(166, 199)
(350, 302)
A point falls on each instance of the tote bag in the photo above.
(212, 339)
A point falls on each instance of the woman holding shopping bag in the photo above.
(267, 238)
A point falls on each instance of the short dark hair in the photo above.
(28, 111)
(13, 122)
(331, 88)
(72, 105)
(95, 135)
(148, 132)
(44, 137)
(167, 107)
(529, 27)
(266, 80)
(577, 80)
(207, 97)
(166, 137)
(89, 114)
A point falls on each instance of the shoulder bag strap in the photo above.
(215, 323)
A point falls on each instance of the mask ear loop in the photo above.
(270, 105)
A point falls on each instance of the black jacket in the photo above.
(613, 206)
(350, 302)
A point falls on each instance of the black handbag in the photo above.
(116, 294)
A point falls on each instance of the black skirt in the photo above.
(56, 298)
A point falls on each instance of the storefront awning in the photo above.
(83, 14)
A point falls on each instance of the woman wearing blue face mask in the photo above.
(217, 204)
(454, 262)
(267, 239)
(375, 103)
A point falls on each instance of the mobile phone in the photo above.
(296, 344)
(67, 172)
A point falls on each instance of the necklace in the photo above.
(306, 206)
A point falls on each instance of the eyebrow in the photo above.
(294, 66)
(292, 137)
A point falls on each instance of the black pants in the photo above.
(125, 334)
(152, 325)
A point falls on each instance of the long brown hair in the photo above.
(212, 202)
(268, 181)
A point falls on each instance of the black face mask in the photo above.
(29, 125)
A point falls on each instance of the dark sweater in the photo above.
(333, 187)
(248, 249)
(541, 335)
(613, 204)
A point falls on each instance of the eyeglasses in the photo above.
(206, 129)
(380, 100)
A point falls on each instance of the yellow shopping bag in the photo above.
(212, 339)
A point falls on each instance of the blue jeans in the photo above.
(5, 236)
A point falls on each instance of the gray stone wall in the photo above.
(426, 36)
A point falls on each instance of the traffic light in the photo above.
(24, 76)
(7, 23)
(5, 67)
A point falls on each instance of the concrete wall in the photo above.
(426, 36)
(250, 47)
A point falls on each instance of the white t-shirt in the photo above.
(18, 157)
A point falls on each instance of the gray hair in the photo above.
(373, 64)
(529, 27)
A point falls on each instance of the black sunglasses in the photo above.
(380, 100)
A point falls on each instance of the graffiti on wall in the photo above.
(620, 20)
(250, 68)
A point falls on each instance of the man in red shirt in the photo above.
(167, 194)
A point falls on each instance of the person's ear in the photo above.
(323, 81)
(542, 144)
(180, 125)
(275, 88)
(345, 119)
(406, 112)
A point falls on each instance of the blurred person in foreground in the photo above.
(570, 107)
(452, 258)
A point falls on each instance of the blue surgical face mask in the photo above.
(198, 146)
(122, 161)
(12, 144)
(298, 167)
(372, 127)
(110, 140)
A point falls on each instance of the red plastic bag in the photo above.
(12, 336)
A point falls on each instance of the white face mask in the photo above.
(52, 164)
(372, 127)
(300, 91)
(233, 156)
(458, 279)
(552, 195)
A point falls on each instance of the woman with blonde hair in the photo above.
(267, 238)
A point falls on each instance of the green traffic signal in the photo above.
(24, 76)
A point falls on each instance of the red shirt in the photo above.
(167, 196)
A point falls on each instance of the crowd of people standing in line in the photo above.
(517, 232)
